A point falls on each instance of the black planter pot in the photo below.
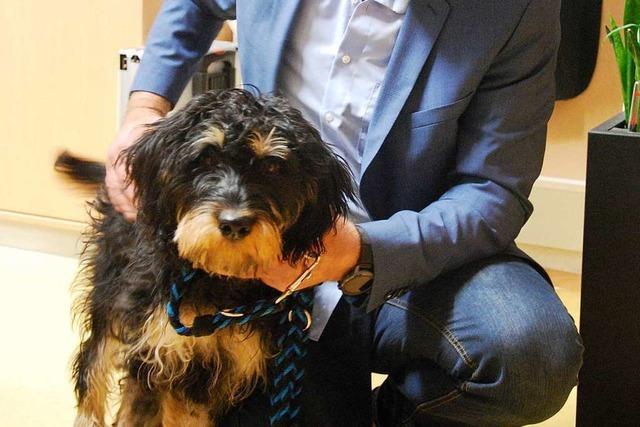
(609, 386)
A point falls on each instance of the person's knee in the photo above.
(507, 352)
(520, 378)
(533, 369)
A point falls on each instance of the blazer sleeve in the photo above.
(181, 34)
(500, 148)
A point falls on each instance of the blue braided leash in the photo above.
(294, 319)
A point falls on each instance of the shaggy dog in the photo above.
(230, 183)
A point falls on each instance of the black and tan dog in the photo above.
(230, 183)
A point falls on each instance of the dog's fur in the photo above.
(226, 153)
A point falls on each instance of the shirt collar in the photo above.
(398, 6)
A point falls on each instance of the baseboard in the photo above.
(39, 233)
(555, 259)
(554, 233)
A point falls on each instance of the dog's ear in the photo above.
(155, 166)
(328, 201)
(147, 161)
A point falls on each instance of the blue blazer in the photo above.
(458, 135)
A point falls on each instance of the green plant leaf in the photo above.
(626, 46)
(630, 73)
(618, 29)
(624, 61)
(632, 12)
(634, 49)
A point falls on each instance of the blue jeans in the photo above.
(489, 344)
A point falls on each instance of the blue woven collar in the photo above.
(240, 315)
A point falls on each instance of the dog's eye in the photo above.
(271, 167)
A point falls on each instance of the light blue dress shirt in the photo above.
(332, 70)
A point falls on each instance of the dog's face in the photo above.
(238, 182)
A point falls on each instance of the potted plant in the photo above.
(625, 40)
(608, 391)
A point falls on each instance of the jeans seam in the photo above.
(443, 330)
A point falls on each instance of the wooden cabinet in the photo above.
(58, 82)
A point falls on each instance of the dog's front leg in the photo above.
(139, 406)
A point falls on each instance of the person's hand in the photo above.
(342, 250)
(143, 108)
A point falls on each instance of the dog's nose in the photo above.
(234, 225)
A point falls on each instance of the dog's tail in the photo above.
(87, 173)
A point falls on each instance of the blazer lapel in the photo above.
(418, 34)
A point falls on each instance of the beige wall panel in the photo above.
(149, 11)
(572, 119)
(58, 83)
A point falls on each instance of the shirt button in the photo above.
(328, 117)
(346, 59)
